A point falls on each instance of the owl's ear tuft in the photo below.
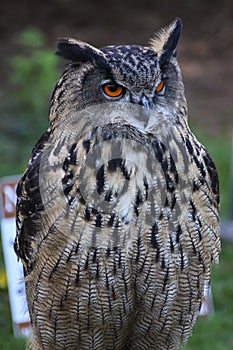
(165, 41)
(79, 51)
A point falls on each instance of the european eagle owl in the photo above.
(117, 212)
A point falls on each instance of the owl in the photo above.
(117, 212)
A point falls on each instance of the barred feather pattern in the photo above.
(117, 212)
(116, 279)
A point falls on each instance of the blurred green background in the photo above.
(29, 70)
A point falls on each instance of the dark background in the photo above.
(205, 50)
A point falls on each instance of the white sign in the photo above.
(14, 268)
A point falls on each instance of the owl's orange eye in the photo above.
(111, 89)
(159, 88)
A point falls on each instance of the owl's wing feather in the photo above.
(211, 168)
(29, 205)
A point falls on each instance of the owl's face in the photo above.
(147, 77)
(137, 77)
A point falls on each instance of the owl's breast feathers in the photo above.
(117, 231)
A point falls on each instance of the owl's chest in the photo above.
(116, 189)
(123, 229)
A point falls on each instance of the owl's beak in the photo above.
(145, 103)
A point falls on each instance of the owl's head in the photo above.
(148, 76)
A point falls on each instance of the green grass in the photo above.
(7, 339)
(215, 332)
